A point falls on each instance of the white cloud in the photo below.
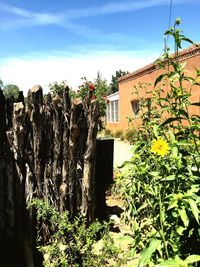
(26, 72)
(23, 18)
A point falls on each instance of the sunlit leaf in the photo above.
(168, 263)
(147, 253)
(192, 258)
(194, 209)
(169, 178)
(173, 204)
(184, 217)
(180, 230)
(143, 206)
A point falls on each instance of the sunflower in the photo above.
(160, 147)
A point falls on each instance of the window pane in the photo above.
(116, 110)
(135, 107)
(113, 111)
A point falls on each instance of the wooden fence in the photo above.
(47, 150)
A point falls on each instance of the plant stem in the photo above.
(162, 224)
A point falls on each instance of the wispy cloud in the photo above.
(14, 10)
(119, 7)
(19, 17)
(24, 18)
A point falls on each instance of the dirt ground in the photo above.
(121, 237)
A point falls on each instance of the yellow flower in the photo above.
(160, 146)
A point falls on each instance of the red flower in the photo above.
(91, 86)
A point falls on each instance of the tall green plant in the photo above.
(160, 185)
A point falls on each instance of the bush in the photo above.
(131, 135)
(118, 134)
(108, 133)
(67, 242)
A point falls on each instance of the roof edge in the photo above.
(186, 53)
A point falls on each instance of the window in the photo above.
(113, 111)
(135, 107)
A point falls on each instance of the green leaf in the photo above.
(168, 263)
(147, 253)
(192, 258)
(180, 230)
(169, 178)
(169, 120)
(187, 40)
(184, 217)
(198, 72)
(183, 112)
(194, 209)
(173, 204)
(155, 174)
(159, 78)
(168, 32)
(143, 206)
(196, 104)
(189, 79)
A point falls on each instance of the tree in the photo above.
(11, 90)
(1, 83)
(114, 87)
(101, 84)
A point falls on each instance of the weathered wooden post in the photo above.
(2, 161)
(88, 182)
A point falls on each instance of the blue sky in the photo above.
(48, 40)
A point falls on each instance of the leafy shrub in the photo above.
(69, 242)
(131, 135)
(108, 133)
(118, 134)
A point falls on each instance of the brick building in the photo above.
(125, 104)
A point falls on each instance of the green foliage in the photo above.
(114, 87)
(118, 134)
(108, 133)
(177, 262)
(96, 91)
(58, 89)
(67, 242)
(1, 83)
(131, 135)
(160, 184)
(11, 90)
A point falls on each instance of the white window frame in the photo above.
(113, 108)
